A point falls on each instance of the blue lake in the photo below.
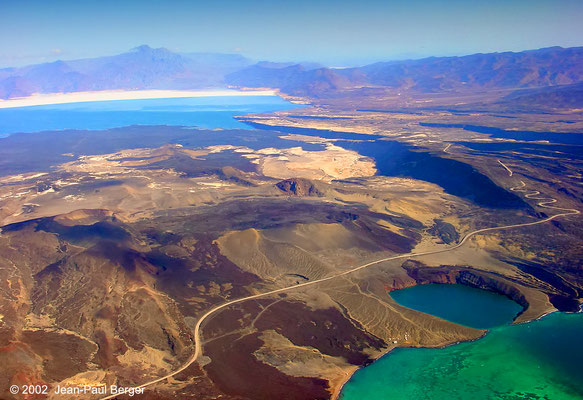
(201, 112)
(460, 304)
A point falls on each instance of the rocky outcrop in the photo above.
(482, 281)
(424, 275)
(445, 231)
(299, 187)
(235, 175)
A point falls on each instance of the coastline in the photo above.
(41, 99)
(338, 388)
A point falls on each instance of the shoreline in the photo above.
(338, 390)
(41, 99)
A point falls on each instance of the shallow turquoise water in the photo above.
(202, 112)
(460, 304)
(537, 360)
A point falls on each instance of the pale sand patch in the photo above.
(39, 321)
(89, 378)
(225, 147)
(22, 177)
(123, 161)
(39, 99)
(332, 163)
(148, 357)
(279, 352)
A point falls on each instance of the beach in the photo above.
(109, 95)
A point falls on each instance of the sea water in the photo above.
(200, 112)
(536, 360)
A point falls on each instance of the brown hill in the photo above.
(298, 187)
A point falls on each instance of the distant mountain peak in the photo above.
(147, 49)
(142, 48)
(140, 68)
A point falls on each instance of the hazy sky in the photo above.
(333, 32)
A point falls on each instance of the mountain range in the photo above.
(148, 68)
(140, 68)
(528, 69)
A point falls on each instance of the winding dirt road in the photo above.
(544, 202)
(506, 168)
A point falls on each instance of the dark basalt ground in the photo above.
(40, 151)
(237, 372)
(273, 213)
(329, 331)
(231, 338)
(203, 265)
(298, 187)
(232, 335)
(65, 354)
(446, 231)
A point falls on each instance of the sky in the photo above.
(335, 33)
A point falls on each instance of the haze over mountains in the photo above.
(529, 69)
(140, 68)
(148, 68)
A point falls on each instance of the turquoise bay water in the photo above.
(538, 360)
(460, 304)
(201, 112)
